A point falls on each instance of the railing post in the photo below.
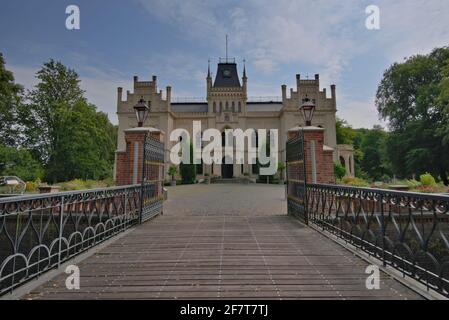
(142, 183)
(61, 222)
(382, 229)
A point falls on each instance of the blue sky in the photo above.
(174, 40)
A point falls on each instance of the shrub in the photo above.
(413, 184)
(172, 171)
(32, 186)
(427, 180)
(427, 189)
(339, 170)
(78, 184)
(355, 182)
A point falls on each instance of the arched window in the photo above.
(240, 106)
(227, 105)
(221, 106)
(215, 107)
(233, 106)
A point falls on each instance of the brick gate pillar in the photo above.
(318, 157)
(129, 162)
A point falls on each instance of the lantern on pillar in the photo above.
(307, 108)
(142, 110)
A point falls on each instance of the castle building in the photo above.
(227, 106)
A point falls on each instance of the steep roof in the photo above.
(227, 75)
(189, 107)
(263, 106)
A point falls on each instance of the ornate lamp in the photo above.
(142, 111)
(307, 108)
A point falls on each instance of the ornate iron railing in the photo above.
(408, 231)
(39, 232)
(296, 178)
(152, 178)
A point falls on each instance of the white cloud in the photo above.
(359, 113)
(321, 35)
(413, 27)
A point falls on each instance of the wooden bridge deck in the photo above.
(238, 244)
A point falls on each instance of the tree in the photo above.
(412, 96)
(375, 160)
(85, 145)
(20, 163)
(57, 92)
(10, 99)
(345, 133)
(66, 133)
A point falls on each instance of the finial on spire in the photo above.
(244, 68)
(226, 48)
(208, 68)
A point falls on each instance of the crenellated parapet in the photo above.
(309, 88)
(146, 90)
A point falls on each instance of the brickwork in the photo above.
(323, 155)
(125, 158)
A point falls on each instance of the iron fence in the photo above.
(408, 231)
(39, 232)
(296, 178)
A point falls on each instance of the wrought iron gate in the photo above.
(152, 178)
(296, 178)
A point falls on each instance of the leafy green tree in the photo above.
(57, 92)
(10, 99)
(85, 145)
(375, 160)
(412, 96)
(20, 163)
(66, 133)
(345, 133)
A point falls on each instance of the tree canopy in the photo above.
(414, 97)
(10, 98)
(54, 132)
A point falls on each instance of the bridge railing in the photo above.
(406, 230)
(39, 232)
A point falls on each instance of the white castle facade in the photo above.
(227, 107)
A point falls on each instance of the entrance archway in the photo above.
(227, 170)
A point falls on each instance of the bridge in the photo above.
(220, 241)
(301, 241)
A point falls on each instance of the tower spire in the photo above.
(208, 68)
(226, 48)
(244, 68)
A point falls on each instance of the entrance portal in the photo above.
(227, 170)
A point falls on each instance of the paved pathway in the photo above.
(223, 241)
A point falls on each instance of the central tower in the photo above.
(227, 97)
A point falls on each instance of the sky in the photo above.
(174, 39)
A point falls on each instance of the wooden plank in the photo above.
(190, 253)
